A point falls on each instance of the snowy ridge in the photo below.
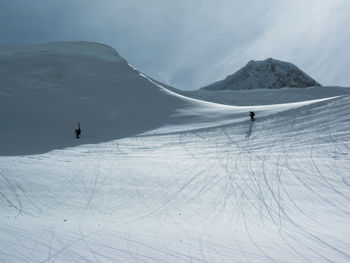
(266, 96)
(266, 74)
(78, 48)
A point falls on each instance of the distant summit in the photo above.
(265, 74)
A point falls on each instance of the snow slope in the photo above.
(201, 185)
(46, 89)
(265, 74)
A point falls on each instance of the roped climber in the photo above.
(78, 131)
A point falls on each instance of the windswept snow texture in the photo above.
(201, 184)
(266, 74)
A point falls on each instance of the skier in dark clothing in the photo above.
(252, 114)
(78, 131)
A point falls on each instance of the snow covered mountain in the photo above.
(263, 83)
(159, 177)
(266, 74)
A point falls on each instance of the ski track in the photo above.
(276, 190)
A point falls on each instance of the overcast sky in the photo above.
(192, 43)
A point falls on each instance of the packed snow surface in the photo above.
(266, 74)
(186, 180)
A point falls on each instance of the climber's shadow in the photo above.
(250, 130)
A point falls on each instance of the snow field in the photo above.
(274, 190)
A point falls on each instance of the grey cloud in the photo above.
(189, 44)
